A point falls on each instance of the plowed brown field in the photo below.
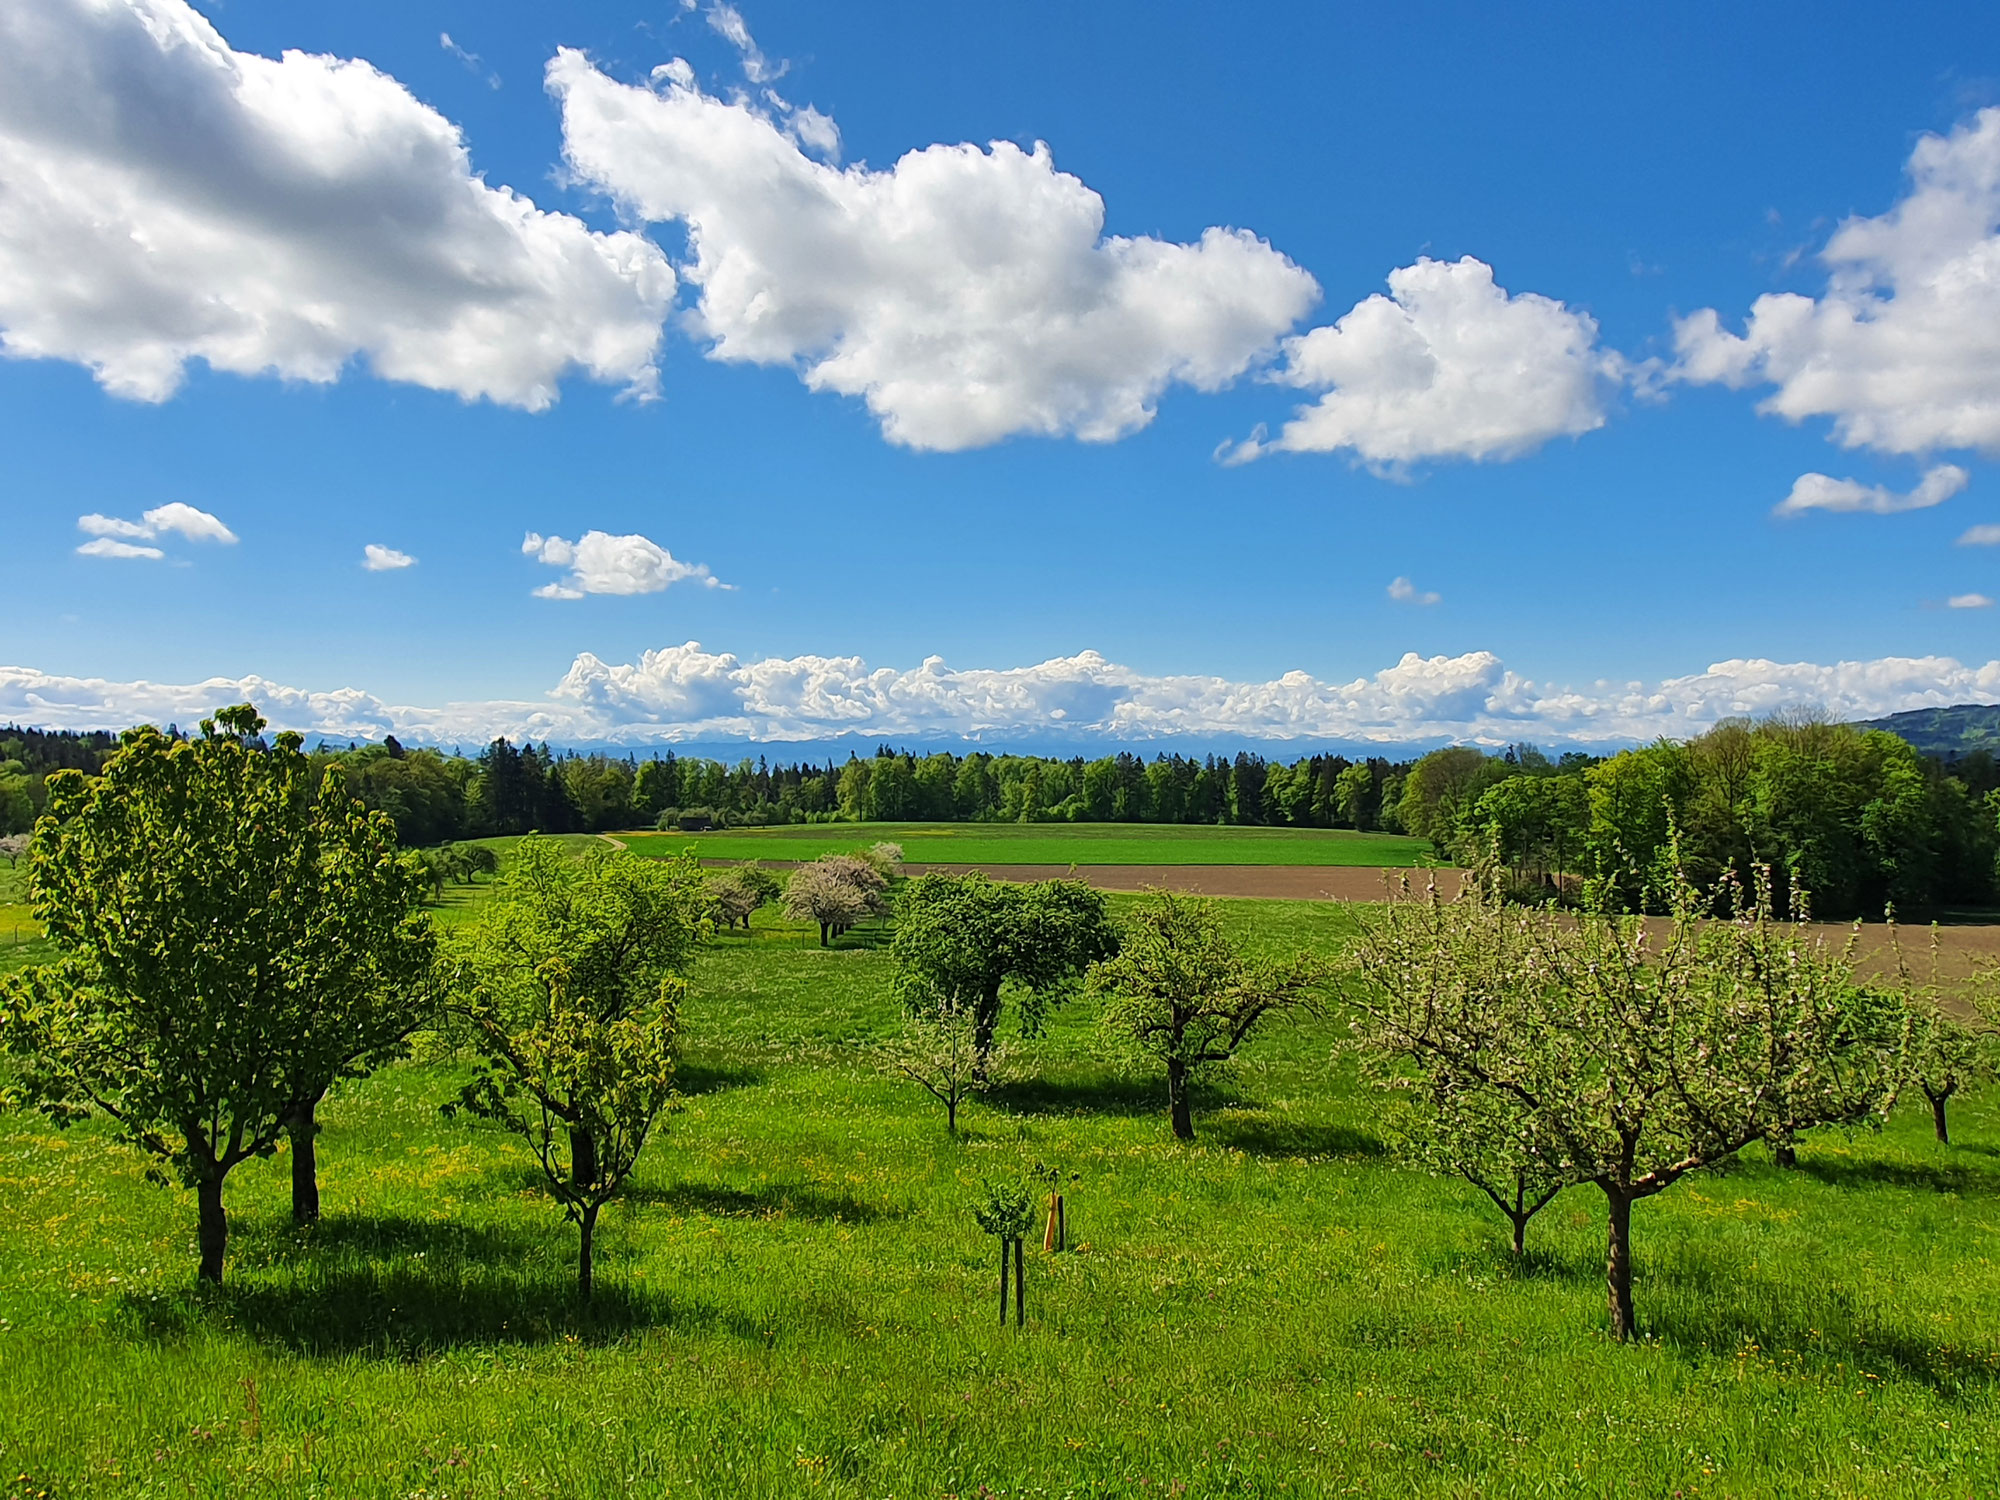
(1961, 949)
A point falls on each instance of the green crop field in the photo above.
(1054, 844)
(794, 1299)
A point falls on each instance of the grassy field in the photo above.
(794, 1299)
(20, 934)
(1054, 844)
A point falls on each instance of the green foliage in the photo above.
(1183, 994)
(574, 978)
(1005, 1210)
(232, 939)
(960, 939)
(1081, 844)
(1857, 818)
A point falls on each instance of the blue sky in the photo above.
(837, 411)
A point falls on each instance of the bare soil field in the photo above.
(1963, 948)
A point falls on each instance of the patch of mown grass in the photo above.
(795, 1301)
(1054, 844)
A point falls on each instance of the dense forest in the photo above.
(1863, 818)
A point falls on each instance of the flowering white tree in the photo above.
(1608, 1053)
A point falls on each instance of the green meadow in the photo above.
(794, 1300)
(1054, 844)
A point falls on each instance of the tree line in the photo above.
(1857, 817)
(1860, 817)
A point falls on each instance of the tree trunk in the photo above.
(1618, 1263)
(1520, 1222)
(304, 1129)
(1177, 1101)
(985, 1021)
(1938, 1121)
(822, 933)
(1003, 1283)
(1784, 1154)
(582, 1159)
(214, 1233)
(951, 1116)
(585, 1271)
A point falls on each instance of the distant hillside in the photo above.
(1947, 732)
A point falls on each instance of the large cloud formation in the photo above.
(1902, 349)
(1449, 365)
(965, 295)
(164, 197)
(682, 693)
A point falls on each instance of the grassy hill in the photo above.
(1947, 732)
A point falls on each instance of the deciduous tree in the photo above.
(961, 939)
(231, 938)
(572, 980)
(836, 891)
(1615, 1056)
(1182, 993)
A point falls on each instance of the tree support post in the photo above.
(1020, 1292)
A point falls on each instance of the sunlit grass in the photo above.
(795, 1300)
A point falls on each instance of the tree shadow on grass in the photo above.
(1104, 1095)
(1731, 1313)
(408, 1312)
(773, 1201)
(366, 1238)
(692, 1078)
(405, 1287)
(1262, 1135)
(1966, 1179)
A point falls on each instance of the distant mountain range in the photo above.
(1946, 732)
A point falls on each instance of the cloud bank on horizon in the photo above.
(683, 693)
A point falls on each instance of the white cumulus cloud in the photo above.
(1968, 601)
(684, 692)
(965, 295)
(1824, 492)
(164, 197)
(1902, 349)
(600, 563)
(1447, 366)
(1405, 592)
(105, 546)
(114, 536)
(377, 558)
(1980, 536)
